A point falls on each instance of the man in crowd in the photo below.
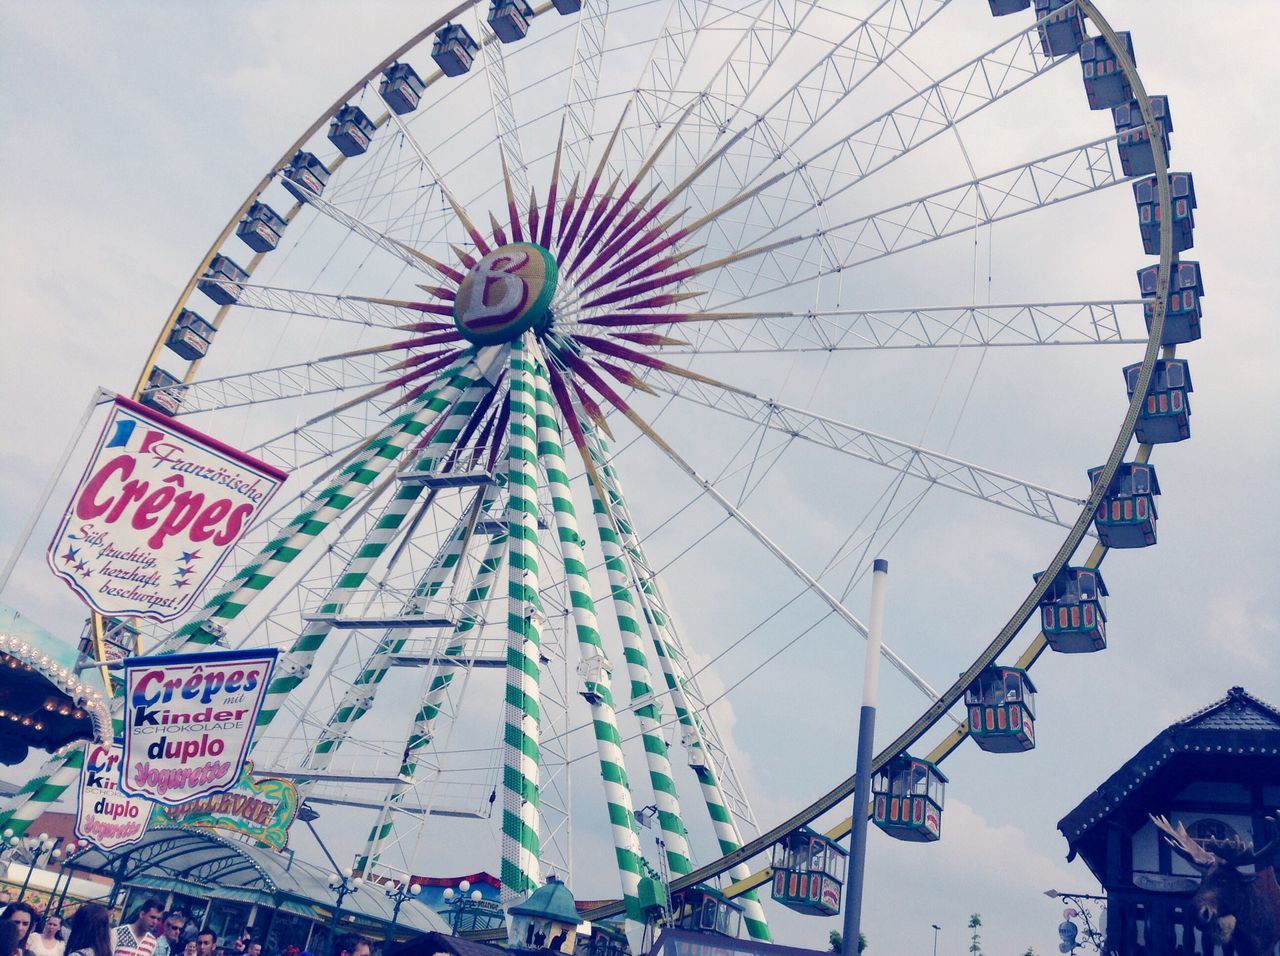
(255, 949)
(135, 939)
(48, 943)
(352, 945)
(170, 940)
(206, 942)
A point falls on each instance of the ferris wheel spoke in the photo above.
(353, 309)
(495, 72)
(1116, 322)
(582, 94)
(1070, 174)
(1004, 490)
(773, 132)
(933, 110)
(339, 373)
(406, 254)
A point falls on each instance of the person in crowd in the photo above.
(5, 897)
(352, 945)
(135, 939)
(49, 941)
(22, 915)
(206, 942)
(169, 942)
(255, 949)
(9, 935)
(189, 948)
(90, 931)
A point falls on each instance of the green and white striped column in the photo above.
(726, 829)
(521, 813)
(359, 696)
(357, 699)
(433, 700)
(36, 795)
(644, 703)
(438, 686)
(295, 665)
(354, 478)
(594, 667)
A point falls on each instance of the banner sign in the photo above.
(261, 808)
(156, 511)
(188, 721)
(107, 818)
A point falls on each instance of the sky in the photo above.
(135, 130)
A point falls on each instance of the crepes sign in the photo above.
(189, 720)
(157, 510)
(107, 818)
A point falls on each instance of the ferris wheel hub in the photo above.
(506, 293)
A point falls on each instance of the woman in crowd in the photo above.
(9, 937)
(48, 942)
(23, 916)
(90, 931)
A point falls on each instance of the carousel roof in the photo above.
(45, 700)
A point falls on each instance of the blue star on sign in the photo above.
(72, 555)
(190, 556)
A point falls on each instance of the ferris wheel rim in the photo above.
(1065, 551)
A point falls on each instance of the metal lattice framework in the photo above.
(703, 196)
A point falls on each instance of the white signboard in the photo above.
(189, 720)
(158, 508)
(107, 818)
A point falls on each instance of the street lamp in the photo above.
(465, 905)
(936, 927)
(343, 886)
(68, 852)
(398, 893)
(38, 848)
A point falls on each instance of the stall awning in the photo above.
(199, 862)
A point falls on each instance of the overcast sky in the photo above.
(132, 131)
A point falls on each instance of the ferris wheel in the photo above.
(745, 257)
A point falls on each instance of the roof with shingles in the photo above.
(1239, 725)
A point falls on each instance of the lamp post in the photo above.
(343, 886)
(936, 927)
(68, 852)
(398, 893)
(468, 904)
(38, 848)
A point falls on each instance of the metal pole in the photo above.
(68, 870)
(936, 927)
(866, 739)
(39, 851)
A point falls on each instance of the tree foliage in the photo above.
(975, 943)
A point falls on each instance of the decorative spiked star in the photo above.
(591, 277)
(72, 555)
(188, 556)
